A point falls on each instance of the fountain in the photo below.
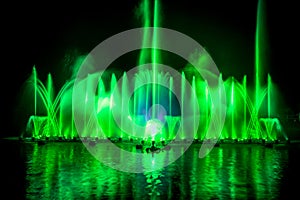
(241, 121)
(272, 129)
(154, 106)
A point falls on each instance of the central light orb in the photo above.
(153, 127)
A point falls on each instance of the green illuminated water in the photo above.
(229, 172)
(155, 58)
(241, 121)
(261, 58)
(50, 123)
(246, 107)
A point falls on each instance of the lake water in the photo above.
(66, 170)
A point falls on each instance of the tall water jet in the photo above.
(170, 118)
(194, 103)
(154, 54)
(183, 81)
(124, 106)
(207, 107)
(113, 98)
(34, 74)
(245, 106)
(50, 100)
(155, 59)
(143, 11)
(269, 95)
(261, 58)
(170, 95)
(50, 88)
(233, 133)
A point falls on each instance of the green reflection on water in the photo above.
(68, 171)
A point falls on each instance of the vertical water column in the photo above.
(34, 74)
(52, 131)
(194, 103)
(100, 100)
(134, 113)
(60, 134)
(170, 95)
(183, 81)
(207, 108)
(171, 119)
(124, 109)
(269, 95)
(144, 10)
(257, 57)
(155, 58)
(233, 133)
(147, 99)
(144, 56)
(154, 55)
(113, 83)
(89, 107)
(244, 134)
(35, 88)
(220, 100)
(261, 59)
(50, 88)
(141, 103)
(170, 114)
(85, 106)
(73, 129)
(136, 105)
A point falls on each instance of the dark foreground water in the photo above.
(68, 171)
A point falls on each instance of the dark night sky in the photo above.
(41, 35)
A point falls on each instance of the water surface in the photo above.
(66, 170)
